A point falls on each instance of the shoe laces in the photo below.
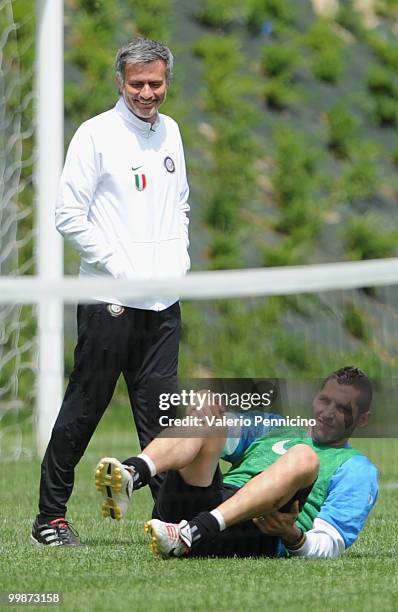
(64, 528)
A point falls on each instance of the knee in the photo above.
(63, 442)
(58, 432)
(306, 461)
(67, 436)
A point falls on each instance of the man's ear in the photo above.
(363, 419)
(119, 83)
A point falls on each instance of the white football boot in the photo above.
(115, 481)
(169, 539)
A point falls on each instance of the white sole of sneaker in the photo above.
(108, 480)
(35, 542)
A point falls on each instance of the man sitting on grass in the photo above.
(304, 496)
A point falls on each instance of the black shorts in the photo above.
(178, 500)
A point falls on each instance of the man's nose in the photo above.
(146, 92)
(330, 413)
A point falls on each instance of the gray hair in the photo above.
(143, 51)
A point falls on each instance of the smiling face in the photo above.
(337, 413)
(144, 88)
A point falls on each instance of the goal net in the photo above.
(17, 322)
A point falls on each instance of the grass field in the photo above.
(116, 571)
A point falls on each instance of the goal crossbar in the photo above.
(208, 285)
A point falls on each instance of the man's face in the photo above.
(337, 413)
(144, 88)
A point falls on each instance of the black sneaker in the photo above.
(55, 533)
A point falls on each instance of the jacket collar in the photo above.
(143, 127)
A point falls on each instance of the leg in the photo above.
(274, 487)
(152, 369)
(195, 458)
(89, 391)
(263, 494)
(244, 539)
(178, 500)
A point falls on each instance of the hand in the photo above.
(281, 524)
(207, 410)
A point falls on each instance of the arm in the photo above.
(79, 181)
(183, 204)
(352, 494)
(320, 542)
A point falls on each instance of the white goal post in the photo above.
(50, 146)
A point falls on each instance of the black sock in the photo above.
(142, 473)
(204, 527)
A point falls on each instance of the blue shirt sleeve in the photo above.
(351, 495)
(239, 439)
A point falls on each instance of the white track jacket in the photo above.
(123, 200)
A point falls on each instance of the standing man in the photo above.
(123, 205)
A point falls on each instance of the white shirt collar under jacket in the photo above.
(144, 127)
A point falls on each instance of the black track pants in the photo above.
(141, 344)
